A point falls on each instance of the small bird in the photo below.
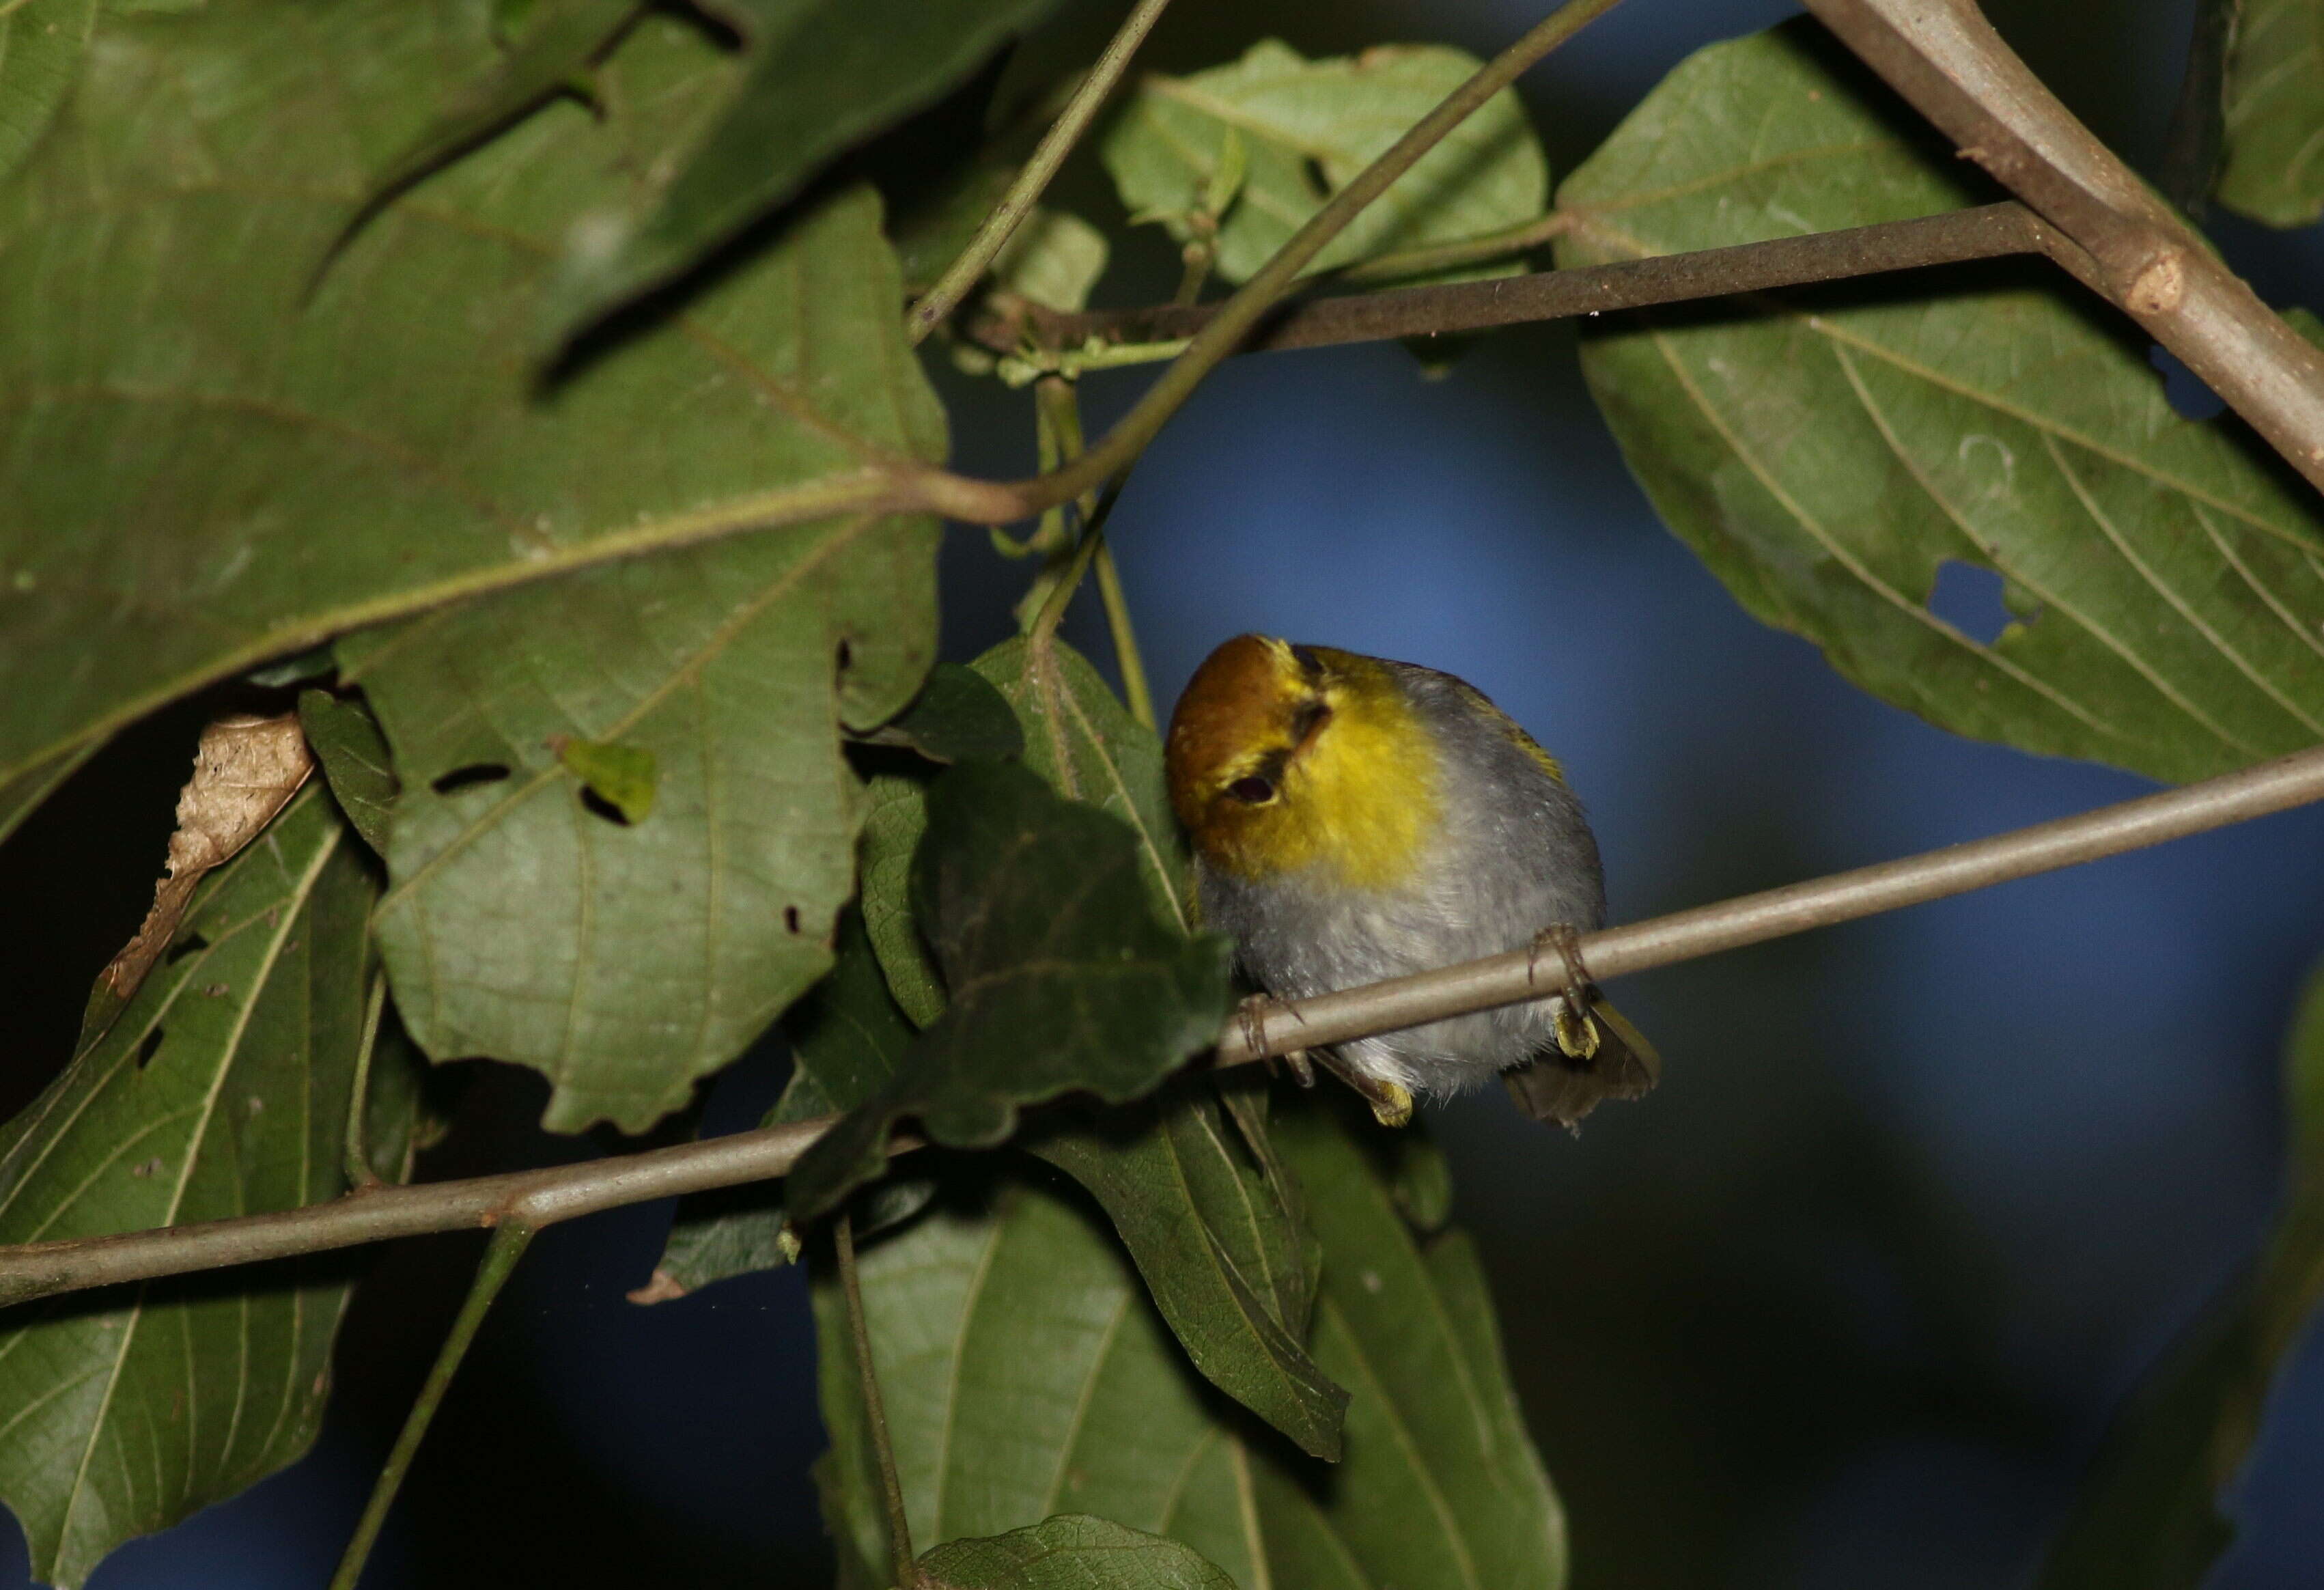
(1355, 818)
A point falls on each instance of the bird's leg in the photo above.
(1252, 1012)
(1577, 1030)
(1391, 1101)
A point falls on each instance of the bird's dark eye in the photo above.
(1253, 790)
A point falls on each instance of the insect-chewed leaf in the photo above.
(346, 741)
(1831, 459)
(2149, 1516)
(1060, 978)
(2274, 107)
(1069, 1552)
(819, 75)
(222, 1089)
(1025, 1373)
(382, 446)
(957, 716)
(1304, 129)
(627, 960)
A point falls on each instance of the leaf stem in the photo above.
(507, 1246)
(1467, 251)
(1015, 205)
(904, 1566)
(1134, 690)
(543, 1197)
(358, 1165)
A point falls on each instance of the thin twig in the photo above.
(358, 1167)
(1136, 694)
(905, 1567)
(1469, 250)
(1986, 232)
(1225, 329)
(1015, 205)
(541, 1197)
(1947, 61)
(501, 1255)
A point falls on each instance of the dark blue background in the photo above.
(1848, 1302)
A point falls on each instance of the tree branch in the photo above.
(1016, 204)
(1987, 232)
(542, 1198)
(1945, 59)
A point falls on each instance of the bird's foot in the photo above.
(1253, 1014)
(1391, 1101)
(1577, 1030)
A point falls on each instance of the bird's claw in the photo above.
(1577, 1030)
(1391, 1101)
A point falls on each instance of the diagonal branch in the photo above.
(1945, 59)
(542, 1198)
(1989, 231)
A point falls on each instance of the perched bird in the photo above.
(1354, 818)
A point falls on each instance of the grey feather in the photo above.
(1512, 855)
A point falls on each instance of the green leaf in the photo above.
(821, 75)
(625, 961)
(41, 47)
(561, 39)
(1829, 456)
(1061, 979)
(957, 716)
(203, 467)
(346, 741)
(848, 1041)
(1221, 1246)
(1302, 130)
(1025, 1374)
(2148, 1516)
(222, 1090)
(1081, 739)
(1054, 259)
(1069, 1552)
(621, 776)
(2275, 169)
(899, 816)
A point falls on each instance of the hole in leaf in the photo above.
(1970, 598)
(188, 944)
(1318, 183)
(147, 1047)
(790, 918)
(598, 806)
(2182, 389)
(846, 653)
(475, 774)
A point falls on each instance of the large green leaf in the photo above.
(625, 959)
(201, 466)
(41, 46)
(1218, 1237)
(221, 1090)
(1305, 128)
(346, 741)
(1828, 457)
(821, 75)
(1060, 978)
(1025, 1373)
(1069, 1552)
(2274, 167)
(2148, 1518)
(1080, 738)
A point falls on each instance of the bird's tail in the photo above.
(1598, 1054)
